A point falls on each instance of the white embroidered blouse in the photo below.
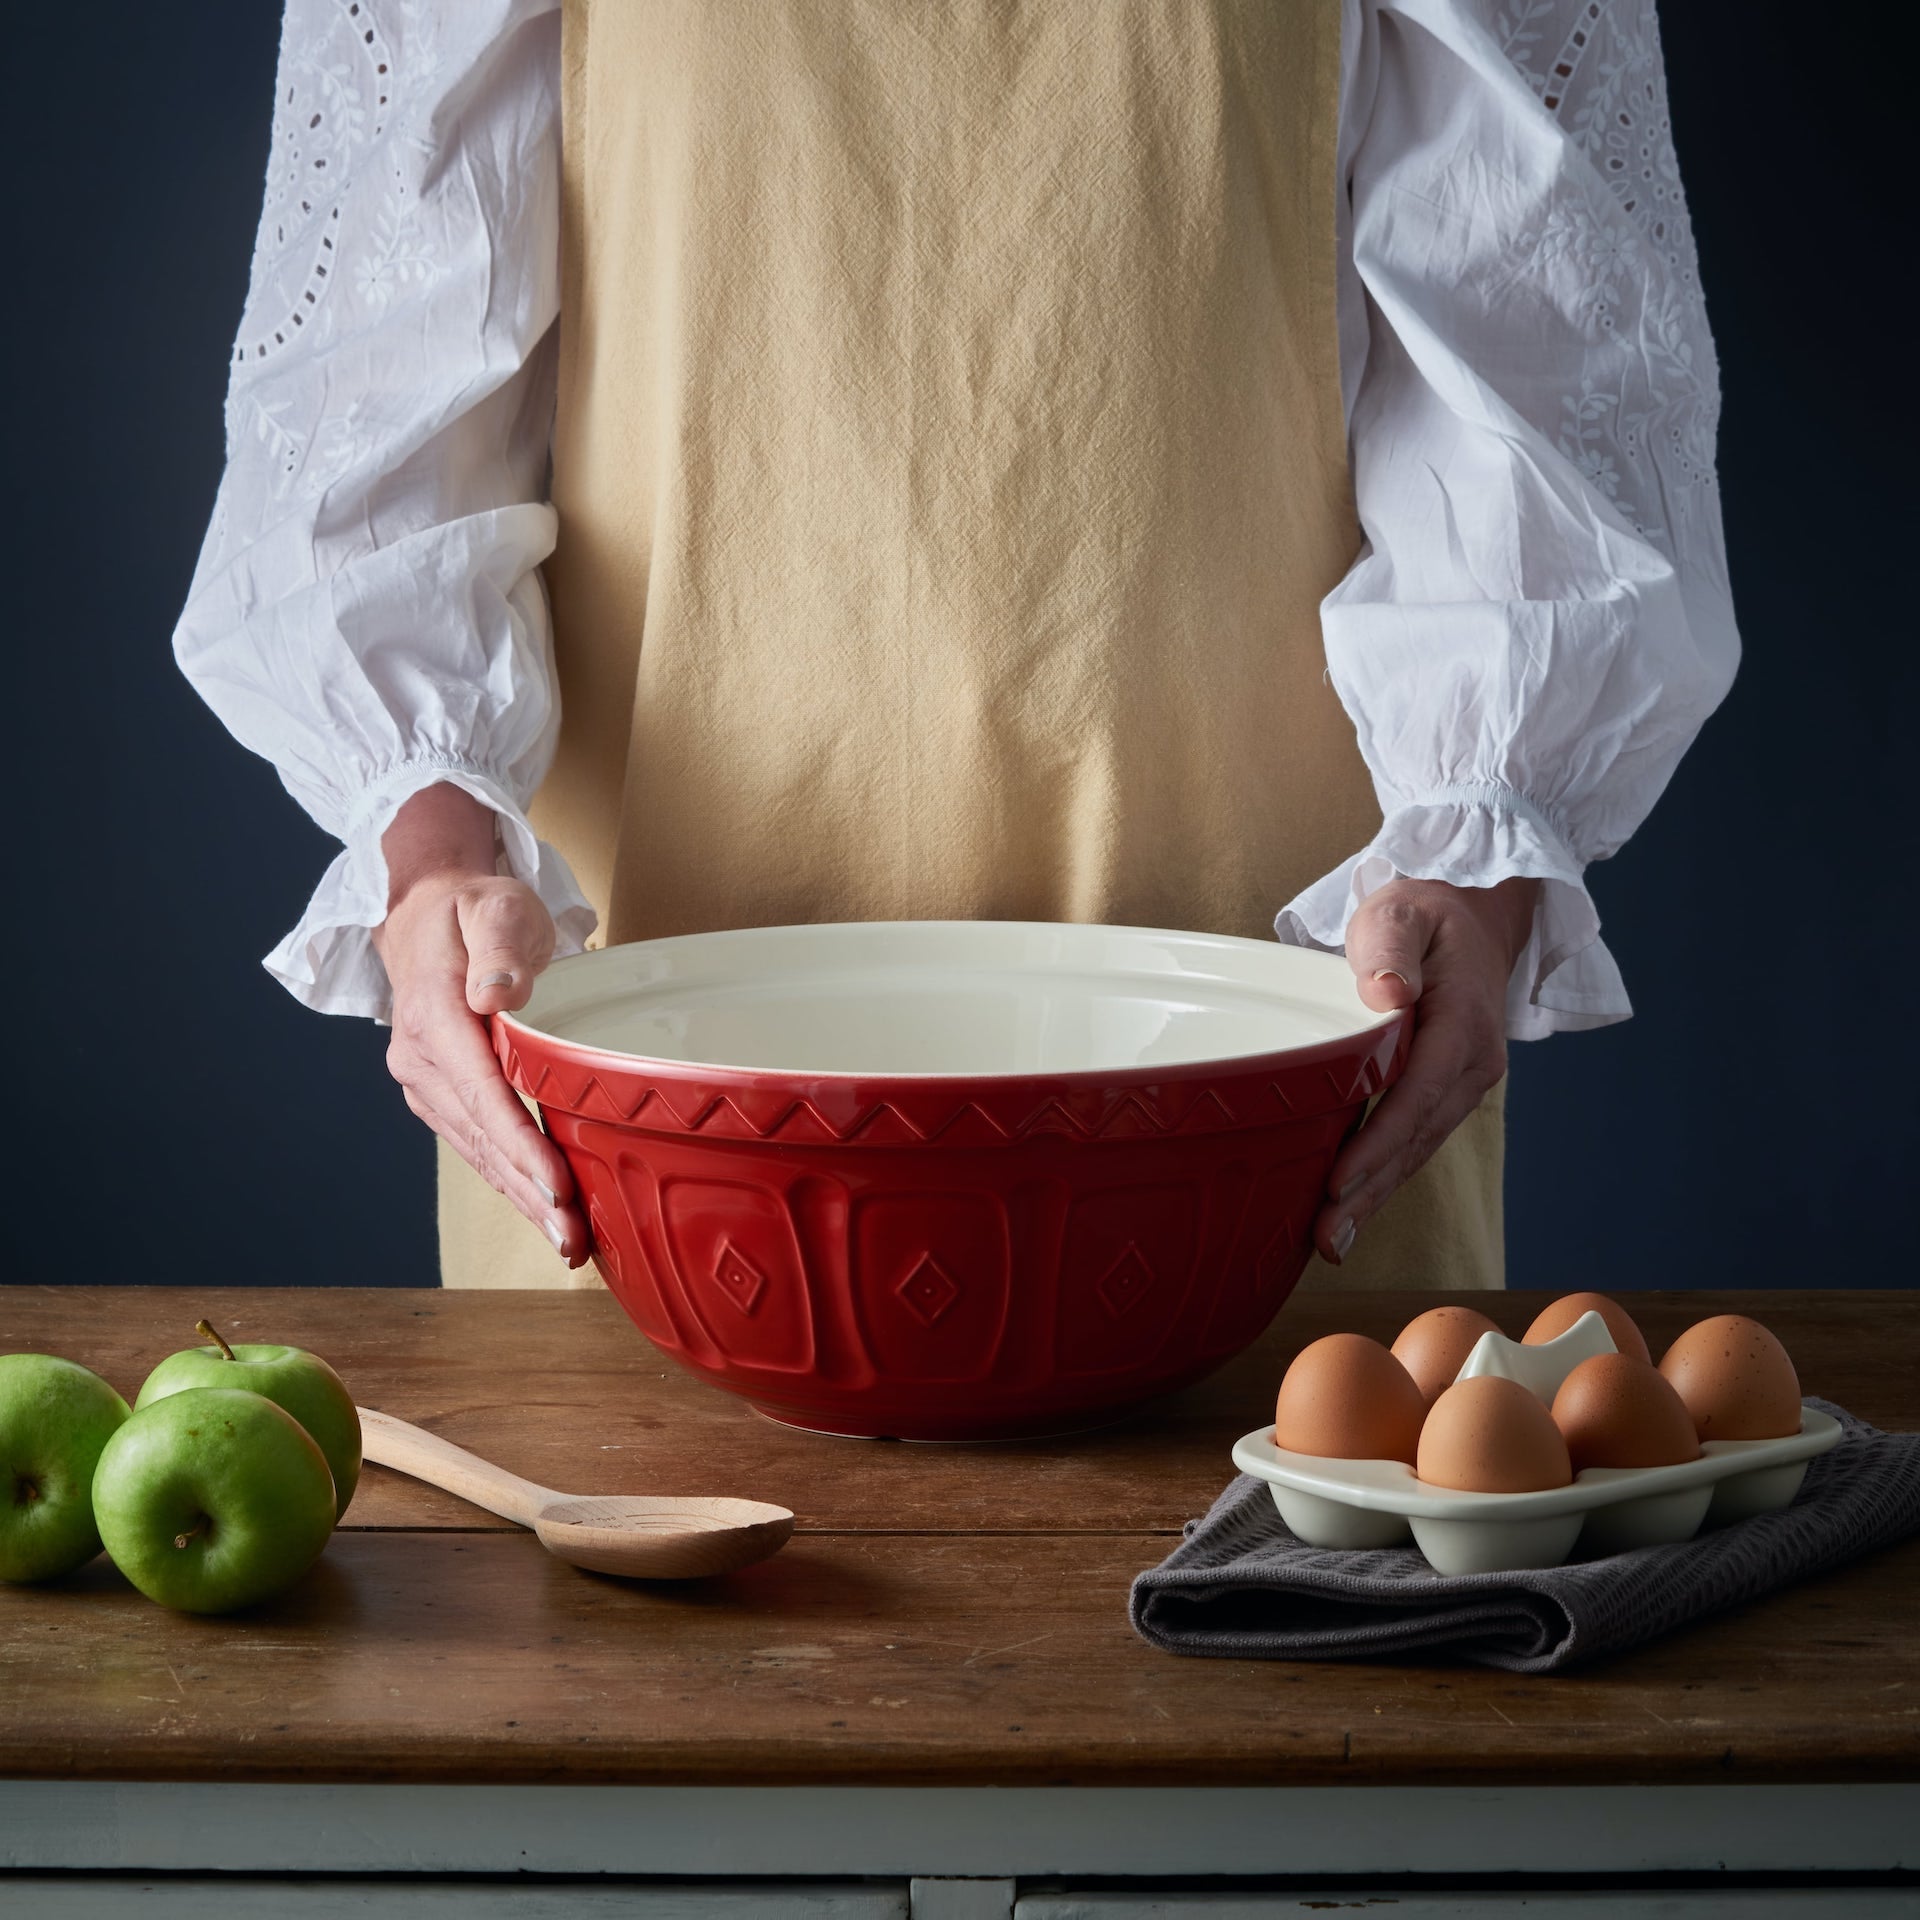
(1536, 627)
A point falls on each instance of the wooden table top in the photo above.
(943, 1615)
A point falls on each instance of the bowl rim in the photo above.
(1364, 1036)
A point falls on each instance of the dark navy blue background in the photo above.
(188, 1122)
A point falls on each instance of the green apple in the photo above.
(54, 1419)
(290, 1377)
(212, 1498)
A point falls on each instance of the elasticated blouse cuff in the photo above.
(1476, 836)
(328, 961)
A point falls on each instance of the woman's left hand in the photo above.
(1447, 952)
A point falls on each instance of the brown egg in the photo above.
(1347, 1398)
(1553, 1321)
(1492, 1436)
(1616, 1411)
(1735, 1378)
(1433, 1346)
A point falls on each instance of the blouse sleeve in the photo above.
(367, 611)
(1539, 620)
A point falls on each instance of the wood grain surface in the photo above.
(944, 1615)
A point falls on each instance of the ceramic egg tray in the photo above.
(1379, 1503)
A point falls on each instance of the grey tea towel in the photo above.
(1241, 1586)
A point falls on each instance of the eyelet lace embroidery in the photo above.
(342, 144)
(1642, 426)
(333, 100)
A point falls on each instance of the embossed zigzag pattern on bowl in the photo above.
(1225, 1103)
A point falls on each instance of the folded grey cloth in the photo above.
(1241, 1586)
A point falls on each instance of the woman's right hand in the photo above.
(460, 942)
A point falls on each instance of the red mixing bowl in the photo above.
(950, 1179)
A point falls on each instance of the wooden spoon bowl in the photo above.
(638, 1536)
(661, 1537)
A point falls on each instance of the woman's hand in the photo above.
(1447, 952)
(460, 942)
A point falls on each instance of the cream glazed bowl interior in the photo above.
(961, 998)
(950, 1179)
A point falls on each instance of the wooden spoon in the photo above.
(645, 1537)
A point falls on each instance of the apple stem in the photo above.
(206, 1327)
(199, 1526)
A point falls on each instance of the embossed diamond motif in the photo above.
(1126, 1283)
(929, 1290)
(740, 1280)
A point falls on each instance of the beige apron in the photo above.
(950, 463)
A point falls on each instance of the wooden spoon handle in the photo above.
(440, 1463)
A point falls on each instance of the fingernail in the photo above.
(554, 1234)
(1343, 1238)
(1388, 973)
(546, 1193)
(1352, 1187)
(506, 980)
